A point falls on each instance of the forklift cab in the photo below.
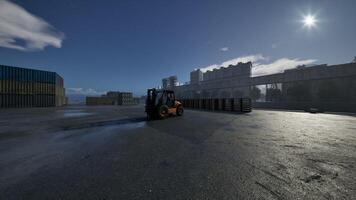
(160, 97)
(161, 103)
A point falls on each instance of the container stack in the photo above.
(21, 87)
(224, 104)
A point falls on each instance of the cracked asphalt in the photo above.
(114, 153)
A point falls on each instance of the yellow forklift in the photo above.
(161, 104)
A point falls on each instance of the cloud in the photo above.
(274, 45)
(250, 58)
(260, 66)
(82, 91)
(210, 67)
(224, 49)
(279, 66)
(23, 31)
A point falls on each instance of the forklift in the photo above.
(161, 103)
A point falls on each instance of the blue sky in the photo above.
(131, 45)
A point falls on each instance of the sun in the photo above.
(309, 21)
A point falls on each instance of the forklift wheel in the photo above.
(180, 111)
(163, 112)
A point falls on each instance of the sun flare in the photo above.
(309, 21)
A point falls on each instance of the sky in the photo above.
(97, 46)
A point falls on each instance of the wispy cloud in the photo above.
(83, 91)
(224, 49)
(274, 45)
(253, 58)
(23, 31)
(260, 66)
(279, 66)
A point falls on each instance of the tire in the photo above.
(163, 112)
(180, 111)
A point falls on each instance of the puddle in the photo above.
(74, 113)
(125, 126)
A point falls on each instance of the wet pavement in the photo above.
(114, 153)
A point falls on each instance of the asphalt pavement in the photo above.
(112, 152)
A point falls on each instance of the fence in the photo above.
(228, 104)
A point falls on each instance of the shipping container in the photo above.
(20, 87)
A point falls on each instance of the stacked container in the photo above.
(225, 104)
(21, 87)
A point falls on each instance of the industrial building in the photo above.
(113, 98)
(233, 81)
(22, 87)
(327, 88)
(169, 82)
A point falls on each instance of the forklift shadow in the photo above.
(160, 119)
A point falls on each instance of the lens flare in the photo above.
(309, 21)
